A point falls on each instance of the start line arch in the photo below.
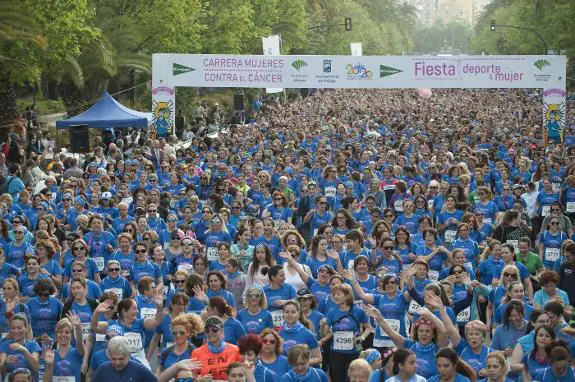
(383, 72)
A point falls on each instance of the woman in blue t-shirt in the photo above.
(296, 330)
(560, 369)
(255, 317)
(536, 360)
(271, 355)
(451, 367)
(300, 359)
(66, 360)
(182, 329)
(22, 353)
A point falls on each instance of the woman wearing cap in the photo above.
(16, 352)
(429, 335)
(255, 317)
(106, 206)
(308, 306)
(216, 233)
(183, 328)
(134, 328)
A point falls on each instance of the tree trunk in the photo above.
(8, 109)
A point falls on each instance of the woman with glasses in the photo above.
(184, 260)
(142, 266)
(17, 353)
(115, 282)
(183, 328)
(509, 274)
(216, 233)
(177, 306)
(318, 216)
(106, 206)
(45, 310)
(166, 268)
(30, 276)
(508, 257)
(155, 222)
(131, 228)
(550, 242)
(255, 317)
(79, 252)
(279, 210)
(10, 305)
(17, 249)
(342, 222)
(126, 253)
(271, 353)
(393, 305)
(172, 227)
(202, 225)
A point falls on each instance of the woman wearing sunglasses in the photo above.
(16, 352)
(177, 306)
(115, 282)
(550, 242)
(271, 354)
(255, 317)
(183, 328)
(126, 253)
(17, 249)
(79, 252)
(183, 261)
(100, 242)
(509, 274)
(143, 267)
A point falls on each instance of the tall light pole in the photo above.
(494, 25)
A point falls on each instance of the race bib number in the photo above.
(398, 205)
(99, 263)
(394, 324)
(100, 337)
(213, 254)
(488, 221)
(166, 290)
(570, 207)
(117, 291)
(278, 318)
(85, 330)
(464, 315)
(556, 187)
(189, 268)
(125, 273)
(277, 224)
(70, 378)
(134, 341)
(414, 307)
(430, 204)
(545, 210)
(343, 341)
(350, 264)
(468, 265)
(330, 192)
(552, 254)
(450, 236)
(433, 275)
(148, 312)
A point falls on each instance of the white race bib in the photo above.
(430, 204)
(468, 265)
(117, 291)
(570, 207)
(100, 337)
(433, 275)
(148, 313)
(213, 254)
(398, 205)
(99, 263)
(487, 221)
(394, 324)
(188, 268)
(134, 341)
(166, 290)
(278, 318)
(414, 307)
(389, 187)
(330, 192)
(125, 273)
(277, 224)
(85, 330)
(350, 264)
(70, 378)
(464, 315)
(342, 340)
(545, 210)
(450, 236)
(552, 254)
(556, 187)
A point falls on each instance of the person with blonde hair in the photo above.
(495, 368)
(66, 359)
(184, 327)
(299, 357)
(359, 370)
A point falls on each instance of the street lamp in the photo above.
(522, 28)
(346, 24)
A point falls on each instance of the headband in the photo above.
(258, 287)
(373, 356)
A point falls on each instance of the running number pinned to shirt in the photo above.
(552, 254)
(343, 340)
(134, 341)
(450, 236)
(213, 254)
(278, 318)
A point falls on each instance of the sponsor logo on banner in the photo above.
(358, 71)
(385, 71)
(540, 64)
(327, 66)
(162, 89)
(298, 64)
(328, 77)
(178, 69)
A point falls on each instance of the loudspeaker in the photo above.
(239, 102)
(80, 138)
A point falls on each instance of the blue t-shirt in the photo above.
(425, 357)
(44, 315)
(279, 367)
(458, 378)
(394, 310)
(134, 371)
(168, 357)
(69, 365)
(547, 375)
(285, 292)
(301, 336)
(345, 326)
(21, 361)
(534, 367)
(313, 375)
(507, 336)
(233, 330)
(476, 361)
(255, 324)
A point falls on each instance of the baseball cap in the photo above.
(214, 321)
(303, 292)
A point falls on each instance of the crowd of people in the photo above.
(361, 235)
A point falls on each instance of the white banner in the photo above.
(214, 70)
(356, 49)
(271, 47)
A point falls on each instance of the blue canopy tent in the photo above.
(108, 113)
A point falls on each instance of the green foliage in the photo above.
(443, 38)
